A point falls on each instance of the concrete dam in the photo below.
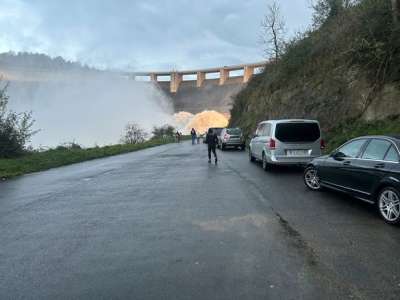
(192, 91)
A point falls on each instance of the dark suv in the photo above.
(367, 168)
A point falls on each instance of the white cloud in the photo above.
(142, 34)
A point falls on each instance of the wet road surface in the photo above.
(164, 224)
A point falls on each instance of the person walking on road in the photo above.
(194, 136)
(212, 140)
(177, 137)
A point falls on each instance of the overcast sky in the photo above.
(143, 34)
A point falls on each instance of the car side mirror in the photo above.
(337, 155)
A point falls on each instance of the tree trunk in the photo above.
(395, 11)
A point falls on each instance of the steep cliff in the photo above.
(347, 69)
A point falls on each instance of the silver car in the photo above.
(231, 137)
(286, 142)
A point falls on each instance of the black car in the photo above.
(367, 168)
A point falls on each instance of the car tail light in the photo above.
(226, 136)
(322, 144)
(271, 144)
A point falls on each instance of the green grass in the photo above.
(39, 161)
(352, 129)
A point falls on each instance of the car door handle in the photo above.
(379, 166)
(346, 163)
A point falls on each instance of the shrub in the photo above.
(134, 134)
(163, 131)
(15, 128)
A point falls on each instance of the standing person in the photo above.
(212, 140)
(193, 134)
(177, 137)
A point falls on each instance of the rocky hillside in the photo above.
(346, 69)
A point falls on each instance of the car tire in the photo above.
(251, 157)
(222, 147)
(311, 179)
(265, 164)
(388, 202)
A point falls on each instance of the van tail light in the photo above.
(322, 144)
(271, 144)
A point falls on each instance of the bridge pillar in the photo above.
(201, 76)
(248, 73)
(223, 76)
(153, 77)
(176, 80)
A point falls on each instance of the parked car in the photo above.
(286, 142)
(231, 137)
(216, 130)
(367, 168)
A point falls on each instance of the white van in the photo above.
(286, 142)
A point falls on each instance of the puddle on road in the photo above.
(229, 224)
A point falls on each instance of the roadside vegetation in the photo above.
(354, 128)
(16, 130)
(35, 161)
(342, 71)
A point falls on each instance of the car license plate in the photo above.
(297, 152)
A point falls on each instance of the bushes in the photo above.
(15, 129)
(355, 128)
(165, 131)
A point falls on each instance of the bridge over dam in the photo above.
(198, 90)
(192, 90)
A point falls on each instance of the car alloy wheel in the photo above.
(311, 179)
(389, 205)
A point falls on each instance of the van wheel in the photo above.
(389, 205)
(251, 157)
(265, 164)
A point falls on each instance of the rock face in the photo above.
(332, 100)
(210, 96)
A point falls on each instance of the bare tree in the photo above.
(273, 36)
(134, 134)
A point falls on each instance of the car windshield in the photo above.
(234, 131)
(297, 132)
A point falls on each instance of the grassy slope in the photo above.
(352, 129)
(39, 161)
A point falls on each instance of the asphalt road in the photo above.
(164, 224)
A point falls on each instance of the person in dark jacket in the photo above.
(194, 135)
(212, 141)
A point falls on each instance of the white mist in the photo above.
(90, 110)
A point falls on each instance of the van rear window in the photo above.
(297, 132)
(234, 131)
